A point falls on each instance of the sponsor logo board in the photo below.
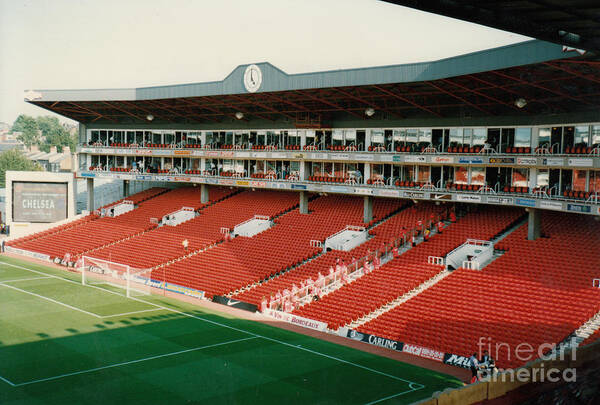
(363, 191)
(442, 159)
(525, 202)
(442, 197)
(470, 160)
(423, 352)
(468, 198)
(501, 200)
(259, 183)
(375, 340)
(553, 161)
(527, 161)
(339, 189)
(296, 320)
(579, 208)
(501, 161)
(388, 193)
(551, 205)
(414, 194)
(339, 156)
(298, 187)
(456, 360)
(581, 162)
(361, 156)
(235, 303)
(241, 183)
(414, 159)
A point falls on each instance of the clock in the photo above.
(252, 78)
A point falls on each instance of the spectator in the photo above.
(185, 244)
(426, 235)
(474, 366)
(440, 227)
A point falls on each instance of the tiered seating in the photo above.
(243, 261)
(165, 243)
(102, 231)
(401, 275)
(384, 233)
(537, 292)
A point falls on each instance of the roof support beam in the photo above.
(573, 72)
(367, 103)
(93, 112)
(124, 111)
(539, 86)
(458, 97)
(266, 107)
(145, 110)
(406, 100)
(338, 107)
(510, 105)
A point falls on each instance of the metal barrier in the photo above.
(471, 265)
(435, 260)
(316, 243)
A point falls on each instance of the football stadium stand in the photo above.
(534, 293)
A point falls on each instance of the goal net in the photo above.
(100, 272)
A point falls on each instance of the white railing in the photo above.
(427, 186)
(154, 221)
(471, 265)
(429, 149)
(224, 230)
(435, 260)
(316, 243)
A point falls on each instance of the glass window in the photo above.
(579, 180)
(377, 136)
(350, 135)
(467, 134)
(456, 136)
(543, 178)
(596, 135)
(424, 174)
(425, 135)
(582, 135)
(412, 135)
(310, 137)
(400, 136)
(520, 177)
(479, 136)
(478, 176)
(544, 137)
(461, 175)
(338, 134)
(410, 173)
(523, 137)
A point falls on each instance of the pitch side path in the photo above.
(64, 343)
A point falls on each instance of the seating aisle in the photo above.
(537, 292)
(243, 261)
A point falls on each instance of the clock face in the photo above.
(252, 78)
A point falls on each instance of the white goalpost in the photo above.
(96, 271)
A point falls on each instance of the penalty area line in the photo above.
(7, 381)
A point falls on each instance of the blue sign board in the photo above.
(525, 202)
(579, 208)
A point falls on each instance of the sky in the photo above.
(83, 44)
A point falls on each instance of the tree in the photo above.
(14, 159)
(28, 128)
(54, 134)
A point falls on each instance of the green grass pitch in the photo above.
(65, 343)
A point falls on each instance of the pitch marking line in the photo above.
(24, 279)
(391, 396)
(91, 370)
(52, 300)
(8, 382)
(411, 383)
